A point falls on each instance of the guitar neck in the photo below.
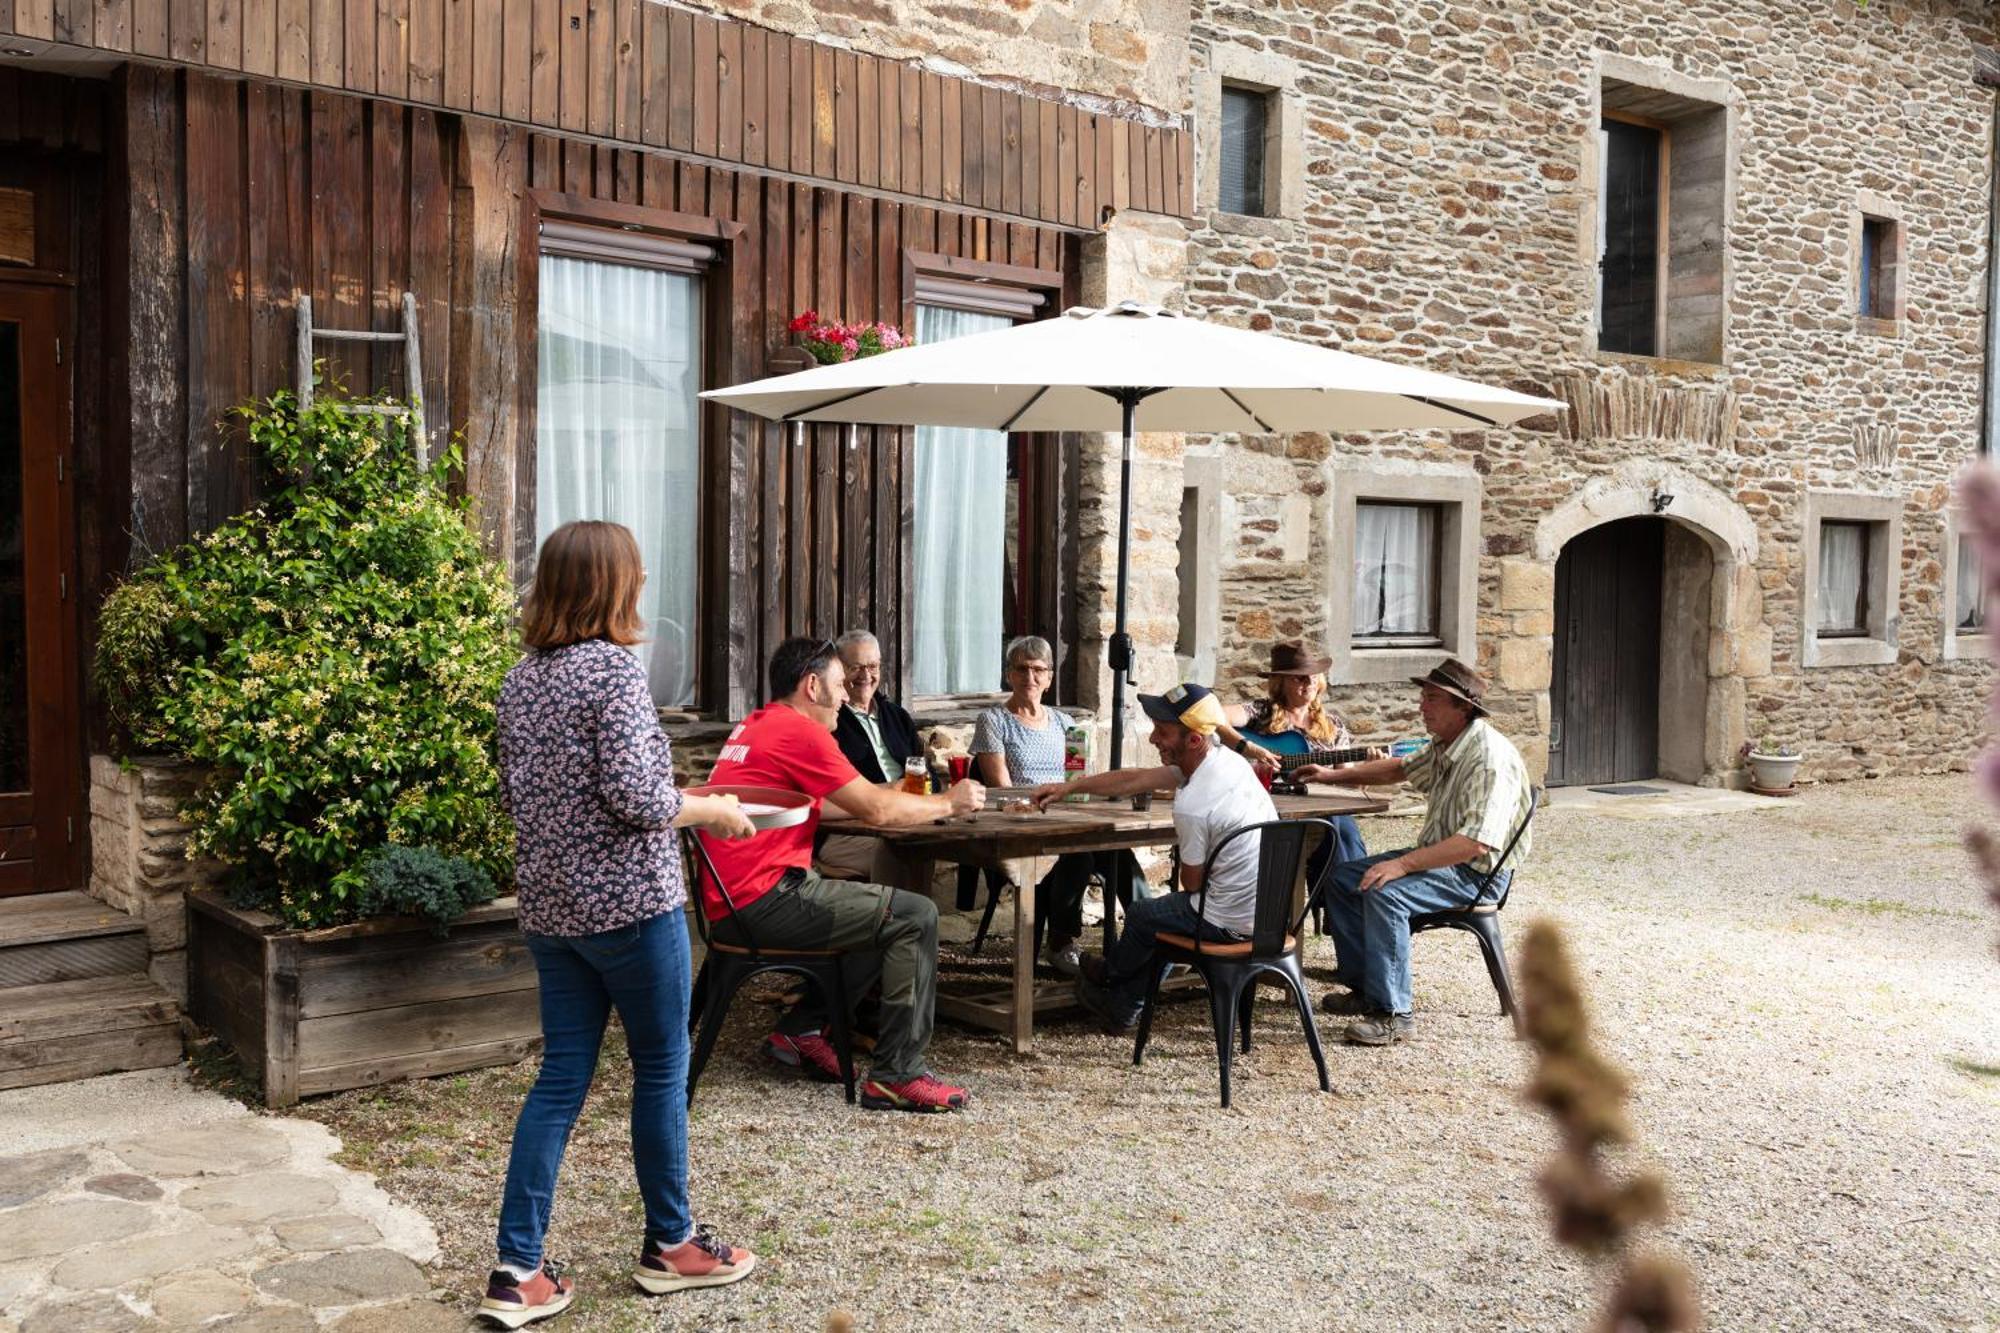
(1350, 755)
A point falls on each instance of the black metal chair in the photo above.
(1481, 920)
(725, 967)
(1233, 970)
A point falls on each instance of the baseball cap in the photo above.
(1193, 706)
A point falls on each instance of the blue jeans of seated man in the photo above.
(1371, 931)
(1131, 963)
(641, 970)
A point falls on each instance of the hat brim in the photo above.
(1313, 668)
(1157, 708)
(1453, 691)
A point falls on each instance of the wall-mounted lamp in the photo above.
(1661, 499)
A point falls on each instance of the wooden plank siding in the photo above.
(639, 72)
(259, 191)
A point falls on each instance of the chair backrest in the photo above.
(694, 856)
(1281, 850)
(1535, 795)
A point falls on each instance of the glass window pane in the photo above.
(617, 434)
(1971, 594)
(1629, 239)
(959, 503)
(13, 573)
(1395, 571)
(1843, 568)
(1241, 180)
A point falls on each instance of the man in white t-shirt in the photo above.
(1218, 793)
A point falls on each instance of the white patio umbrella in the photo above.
(1130, 368)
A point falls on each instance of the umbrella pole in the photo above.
(1121, 642)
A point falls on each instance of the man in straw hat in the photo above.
(1218, 793)
(1477, 792)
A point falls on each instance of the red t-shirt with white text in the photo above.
(776, 746)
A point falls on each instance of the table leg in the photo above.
(1024, 966)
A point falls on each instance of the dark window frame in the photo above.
(610, 232)
(1036, 593)
(1441, 519)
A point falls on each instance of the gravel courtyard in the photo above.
(1806, 995)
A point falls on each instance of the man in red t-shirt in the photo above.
(783, 903)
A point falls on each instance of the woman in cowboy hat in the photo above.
(1294, 708)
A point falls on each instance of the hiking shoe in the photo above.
(699, 1261)
(1381, 1029)
(1096, 1001)
(923, 1094)
(1066, 961)
(513, 1301)
(1347, 1003)
(1094, 970)
(808, 1052)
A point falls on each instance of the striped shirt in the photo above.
(1477, 786)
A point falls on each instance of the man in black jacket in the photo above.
(878, 738)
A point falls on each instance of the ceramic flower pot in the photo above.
(1773, 772)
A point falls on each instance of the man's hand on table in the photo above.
(1049, 791)
(1316, 773)
(966, 796)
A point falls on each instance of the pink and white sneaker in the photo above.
(512, 1301)
(699, 1261)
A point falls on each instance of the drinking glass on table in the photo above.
(960, 766)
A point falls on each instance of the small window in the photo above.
(1396, 562)
(1187, 571)
(1876, 298)
(1843, 579)
(1629, 243)
(1245, 112)
(1970, 593)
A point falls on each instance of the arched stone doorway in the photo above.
(1654, 587)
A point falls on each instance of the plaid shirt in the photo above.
(1477, 786)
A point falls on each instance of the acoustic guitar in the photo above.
(1295, 751)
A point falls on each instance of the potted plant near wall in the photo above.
(1774, 765)
(331, 659)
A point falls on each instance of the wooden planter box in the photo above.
(311, 1011)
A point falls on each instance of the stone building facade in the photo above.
(1432, 192)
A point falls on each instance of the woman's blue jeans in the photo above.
(642, 971)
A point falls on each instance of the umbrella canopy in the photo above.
(1059, 374)
(1131, 368)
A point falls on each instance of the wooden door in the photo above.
(1604, 696)
(40, 749)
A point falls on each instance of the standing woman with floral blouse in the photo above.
(588, 776)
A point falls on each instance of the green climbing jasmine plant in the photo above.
(333, 656)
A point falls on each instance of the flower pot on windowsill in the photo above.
(787, 359)
(1773, 773)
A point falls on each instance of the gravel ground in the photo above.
(1807, 998)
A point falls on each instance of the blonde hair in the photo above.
(587, 581)
(1321, 723)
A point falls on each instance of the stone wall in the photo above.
(1129, 55)
(138, 860)
(1449, 162)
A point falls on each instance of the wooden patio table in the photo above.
(1101, 824)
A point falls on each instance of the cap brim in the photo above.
(1158, 708)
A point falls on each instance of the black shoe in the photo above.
(1348, 1004)
(1381, 1029)
(1094, 970)
(1096, 1001)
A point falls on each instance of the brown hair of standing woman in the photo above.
(587, 581)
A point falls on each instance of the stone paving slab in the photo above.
(135, 1203)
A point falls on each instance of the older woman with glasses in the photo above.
(1020, 743)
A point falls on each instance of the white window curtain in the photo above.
(1971, 593)
(959, 560)
(1843, 561)
(1395, 582)
(616, 434)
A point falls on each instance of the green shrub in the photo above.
(334, 656)
(421, 881)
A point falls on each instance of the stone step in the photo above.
(51, 937)
(61, 1030)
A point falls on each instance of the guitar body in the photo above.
(1294, 750)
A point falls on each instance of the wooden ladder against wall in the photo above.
(413, 367)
